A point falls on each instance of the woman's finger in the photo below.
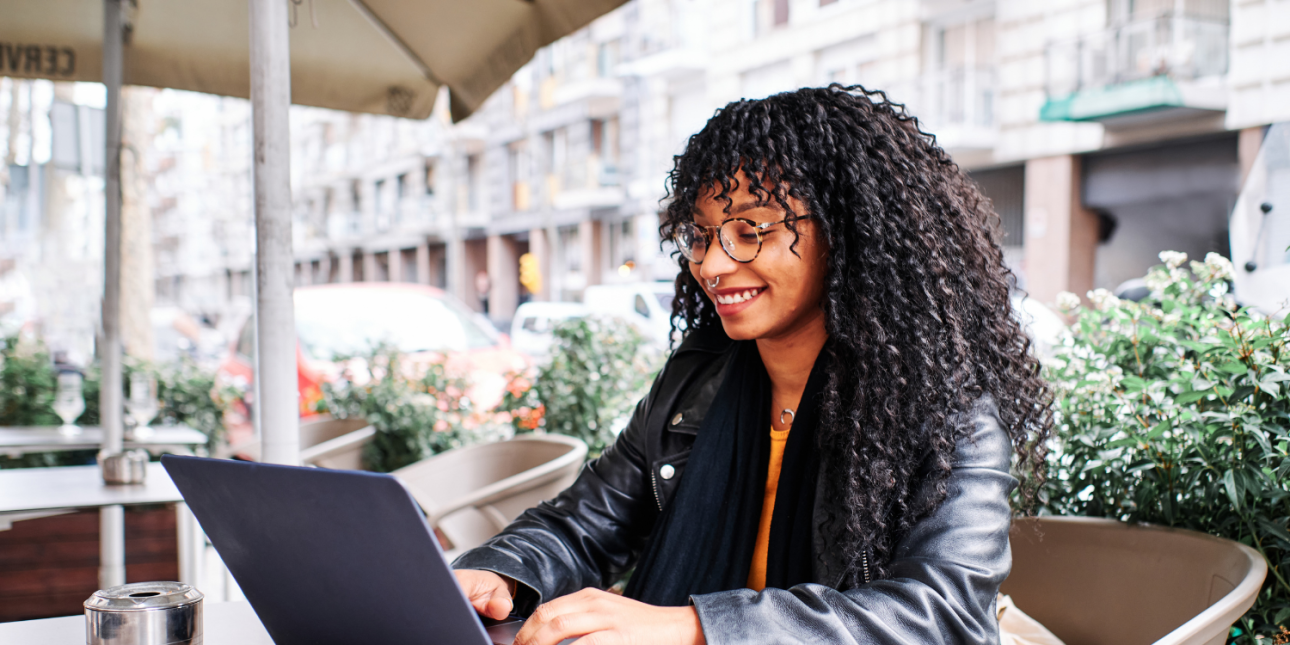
(551, 629)
(498, 606)
(486, 591)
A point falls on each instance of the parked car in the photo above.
(534, 321)
(646, 305)
(341, 320)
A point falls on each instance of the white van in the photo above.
(646, 305)
(531, 328)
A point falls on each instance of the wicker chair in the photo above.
(470, 494)
(1094, 581)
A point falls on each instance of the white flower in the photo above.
(1158, 280)
(1067, 301)
(1103, 299)
(1173, 259)
(1220, 268)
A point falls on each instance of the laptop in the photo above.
(331, 556)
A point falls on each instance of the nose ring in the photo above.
(712, 284)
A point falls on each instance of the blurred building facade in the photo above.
(1104, 131)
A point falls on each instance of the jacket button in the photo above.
(666, 471)
(676, 419)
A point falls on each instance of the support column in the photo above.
(589, 233)
(540, 248)
(345, 258)
(1061, 235)
(395, 258)
(504, 276)
(1248, 143)
(423, 262)
(324, 269)
(276, 371)
(370, 271)
(460, 280)
(112, 518)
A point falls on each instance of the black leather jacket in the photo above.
(944, 575)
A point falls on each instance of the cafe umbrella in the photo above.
(375, 56)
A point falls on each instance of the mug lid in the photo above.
(142, 596)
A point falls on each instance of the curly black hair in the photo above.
(916, 295)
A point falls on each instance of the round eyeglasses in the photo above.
(740, 238)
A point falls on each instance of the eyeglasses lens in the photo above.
(693, 245)
(740, 240)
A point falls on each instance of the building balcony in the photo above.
(1168, 67)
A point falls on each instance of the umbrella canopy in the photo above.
(375, 56)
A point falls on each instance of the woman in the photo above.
(825, 457)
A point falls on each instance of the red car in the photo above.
(349, 319)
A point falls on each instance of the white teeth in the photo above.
(736, 298)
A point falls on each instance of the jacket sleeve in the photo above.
(944, 577)
(588, 536)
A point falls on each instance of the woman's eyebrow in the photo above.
(745, 207)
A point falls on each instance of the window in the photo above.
(768, 15)
(641, 307)
(604, 149)
(518, 169)
(429, 177)
(472, 188)
(848, 62)
(607, 58)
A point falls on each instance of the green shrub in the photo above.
(1176, 411)
(186, 394)
(599, 368)
(418, 410)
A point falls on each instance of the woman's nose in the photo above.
(716, 263)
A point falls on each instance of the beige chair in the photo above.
(470, 494)
(335, 443)
(324, 442)
(1095, 581)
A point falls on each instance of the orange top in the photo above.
(757, 573)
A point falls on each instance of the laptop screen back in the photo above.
(328, 556)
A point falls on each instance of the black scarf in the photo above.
(703, 541)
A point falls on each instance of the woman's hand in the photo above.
(489, 593)
(603, 618)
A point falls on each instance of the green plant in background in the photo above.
(417, 410)
(186, 394)
(599, 368)
(1176, 411)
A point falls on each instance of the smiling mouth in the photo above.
(738, 296)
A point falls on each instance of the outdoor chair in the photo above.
(324, 442)
(470, 494)
(1095, 581)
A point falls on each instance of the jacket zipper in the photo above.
(864, 562)
(653, 480)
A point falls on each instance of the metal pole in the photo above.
(275, 319)
(112, 518)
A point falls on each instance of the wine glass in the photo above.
(69, 402)
(142, 403)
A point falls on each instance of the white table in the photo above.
(16, 441)
(224, 623)
(27, 493)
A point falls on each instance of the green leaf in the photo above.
(1191, 397)
(1229, 484)
(1235, 367)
